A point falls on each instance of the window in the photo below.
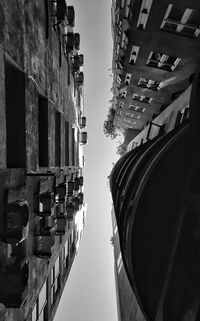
(121, 104)
(58, 11)
(143, 99)
(15, 116)
(67, 250)
(119, 259)
(150, 84)
(117, 50)
(137, 108)
(122, 4)
(118, 80)
(57, 137)
(119, 64)
(132, 115)
(119, 25)
(130, 121)
(118, 67)
(128, 79)
(144, 13)
(55, 281)
(63, 259)
(67, 135)
(43, 131)
(183, 21)
(124, 41)
(127, 8)
(38, 312)
(162, 61)
(123, 94)
(133, 55)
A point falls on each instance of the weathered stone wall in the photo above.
(30, 44)
(29, 40)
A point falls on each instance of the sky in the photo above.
(89, 294)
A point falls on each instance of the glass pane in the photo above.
(63, 254)
(176, 13)
(34, 313)
(194, 19)
(42, 298)
(66, 248)
(170, 26)
(171, 60)
(57, 267)
(52, 276)
(155, 56)
(57, 284)
(52, 295)
(41, 317)
(189, 32)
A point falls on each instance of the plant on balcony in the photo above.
(121, 149)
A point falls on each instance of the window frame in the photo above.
(137, 108)
(37, 310)
(142, 98)
(181, 24)
(55, 281)
(134, 54)
(130, 115)
(127, 79)
(129, 121)
(162, 61)
(149, 84)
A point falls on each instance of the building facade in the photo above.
(41, 159)
(155, 53)
(155, 185)
(127, 306)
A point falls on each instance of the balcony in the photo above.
(77, 41)
(14, 284)
(81, 196)
(83, 138)
(82, 122)
(157, 221)
(81, 180)
(44, 246)
(76, 202)
(77, 62)
(61, 223)
(71, 16)
(68, 42)
(44, 237)
(70, 188)
(70, 211)
(16, 222)
(59, 10)
(61, 192)
(46, 204)
(79, 78)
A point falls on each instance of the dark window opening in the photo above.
(47, 18)
(55, 282)
(73, 146)
(149, 84)
(57, 139)
(137, 108)
(15, 117)
(181, 21)
(77, 149)
(43, 131)
(143, 99)
(66, 143)
(162, 61)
